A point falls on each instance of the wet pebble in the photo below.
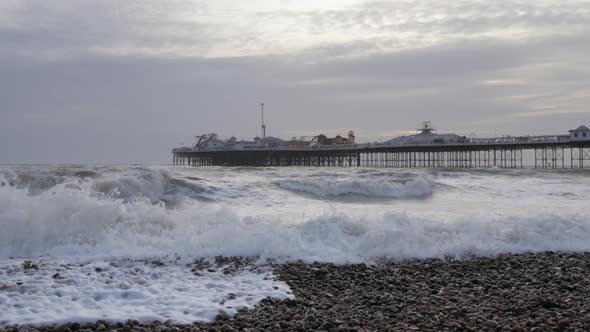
(542, 292)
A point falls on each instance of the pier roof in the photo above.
(580, 128)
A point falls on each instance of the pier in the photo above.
(426, 149)
(550, 155)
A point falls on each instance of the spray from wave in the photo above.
(85, 218)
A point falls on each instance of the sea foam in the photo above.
(67, 221)
(70, 221)
(54, 292)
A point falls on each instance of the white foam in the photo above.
(72, 291)
(66, 222)
(114, 218)
(417, 187)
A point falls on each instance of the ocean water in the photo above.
(82, 243)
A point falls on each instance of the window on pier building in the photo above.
(584, 134)
(575, 134)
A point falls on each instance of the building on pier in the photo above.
(582, 133)
(322, 139)
(270, 142)
(427, 135)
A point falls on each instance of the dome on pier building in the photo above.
(427, 135)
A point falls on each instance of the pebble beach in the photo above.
(546, 291)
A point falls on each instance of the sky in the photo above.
(124, 82)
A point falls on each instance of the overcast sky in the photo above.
(114, 81)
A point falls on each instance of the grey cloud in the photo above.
(84, 105)
(183, 28)
(448, 19)
(134, 109)
(77, 28)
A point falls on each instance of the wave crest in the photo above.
(156, 185)
(417, 187)
(69, 222)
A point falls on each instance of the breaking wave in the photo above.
(117, 243)
(417, 187)
(73, 220)
(155, 185)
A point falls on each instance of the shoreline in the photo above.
(546, 291)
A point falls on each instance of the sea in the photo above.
(84, 243)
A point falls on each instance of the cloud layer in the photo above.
(111, 81)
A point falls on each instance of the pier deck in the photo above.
(543, 154)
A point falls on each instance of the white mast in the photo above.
(262, 120)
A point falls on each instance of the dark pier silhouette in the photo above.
(551, 155)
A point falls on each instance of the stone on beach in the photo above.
(542, 292)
